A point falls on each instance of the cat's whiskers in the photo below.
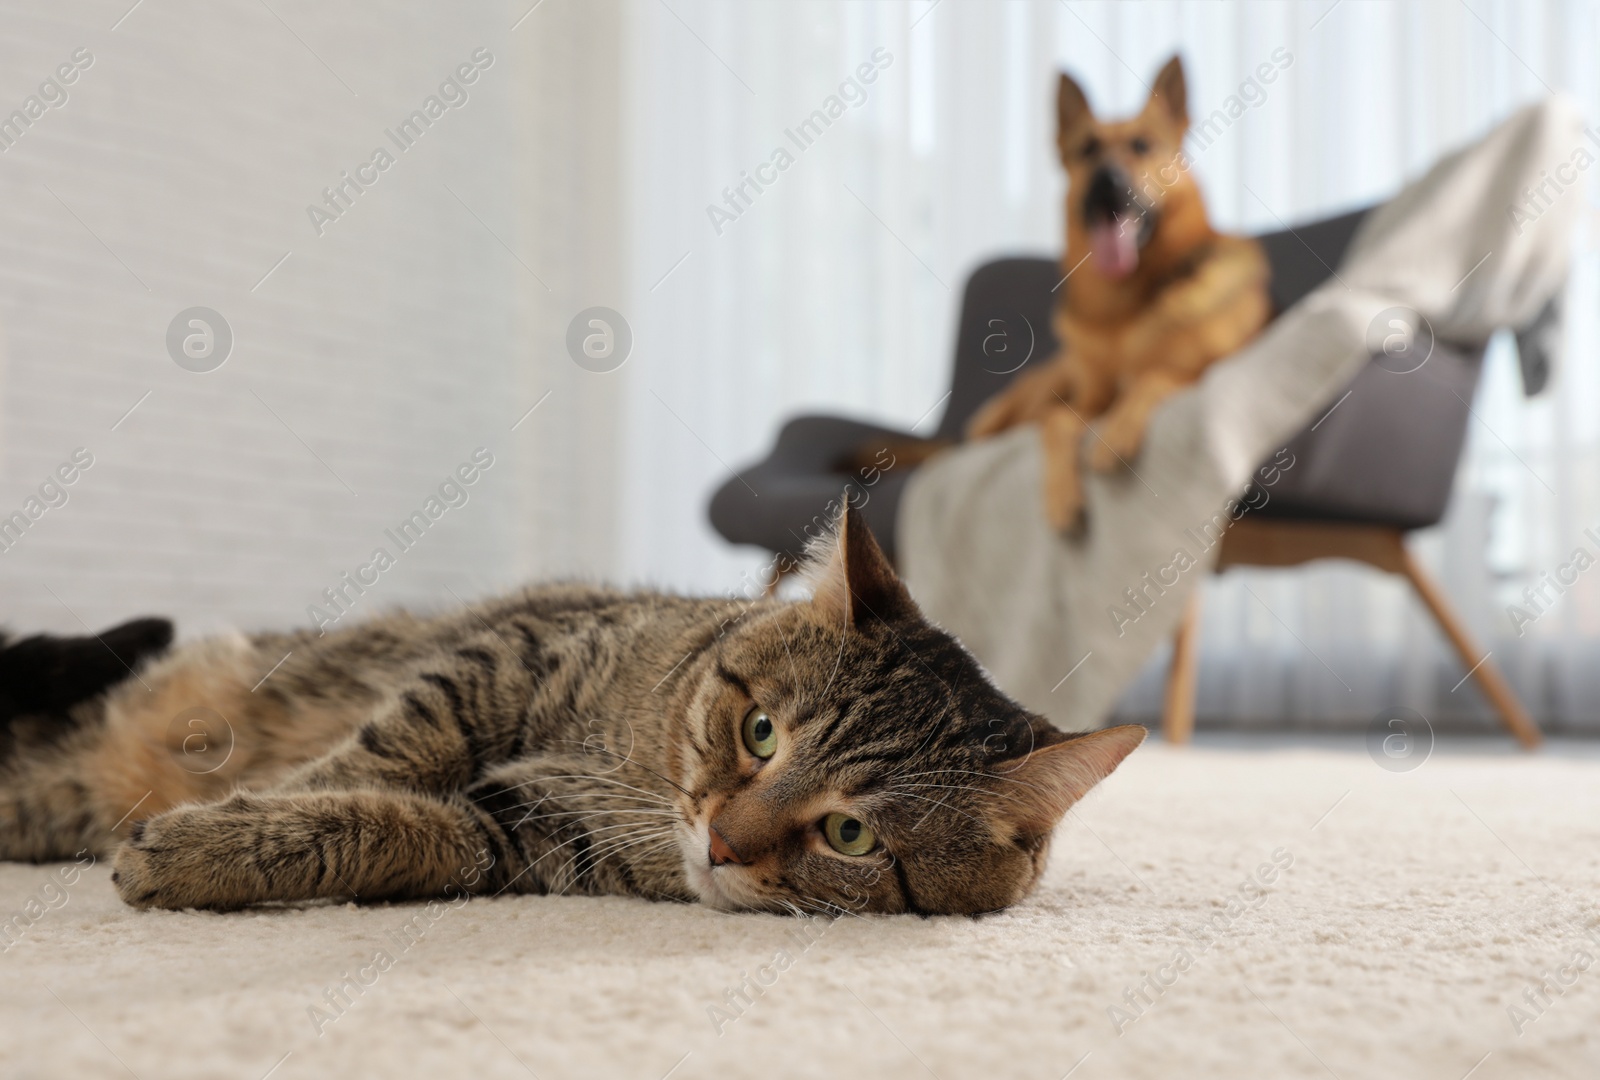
(972, 788)
(581, 776)
(598, 811)
(817, 908)
(628, 759)
(586, 796)
(604, 850)
(965, 772)
(536, 804)
(589, 834)
(807, 907)
(582, 835)
(619, 844)
(585, 815)
(599, 847)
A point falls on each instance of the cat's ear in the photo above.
(857, 583)
(1051, 778)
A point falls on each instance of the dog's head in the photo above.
(1122, 174)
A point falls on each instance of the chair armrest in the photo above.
(788, 498)
(814, 445)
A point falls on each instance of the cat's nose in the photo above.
(721, 851)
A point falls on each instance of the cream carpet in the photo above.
(1420, 909)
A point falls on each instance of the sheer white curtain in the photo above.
(835, 286)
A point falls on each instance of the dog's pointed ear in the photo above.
(857, 583)
(1170, 93)
(1072, 108)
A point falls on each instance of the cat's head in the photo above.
(844, 753)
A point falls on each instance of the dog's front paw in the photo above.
(1117, 443)
(1073, 524)
(181, 859)
(993, 417)
(1064, 509)
(1063, 483)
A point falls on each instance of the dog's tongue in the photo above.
(1115, 247)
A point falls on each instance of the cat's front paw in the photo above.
(132, 871)
(183, 858)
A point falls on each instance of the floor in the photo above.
(1244, 907)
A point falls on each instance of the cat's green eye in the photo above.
(848, 836)
(760, 735)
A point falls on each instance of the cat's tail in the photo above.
(46, 675)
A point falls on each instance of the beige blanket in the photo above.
(1460, 245)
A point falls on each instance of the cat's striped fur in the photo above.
(565, 739)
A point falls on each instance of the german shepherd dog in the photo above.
(1152, 294)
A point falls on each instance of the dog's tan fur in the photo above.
(1128, 343)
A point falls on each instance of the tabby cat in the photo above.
(834, 753)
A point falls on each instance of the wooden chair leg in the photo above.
(1177, 712)
(1494, 685)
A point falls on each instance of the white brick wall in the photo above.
(393, 345)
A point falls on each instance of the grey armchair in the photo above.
(1379, 464)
